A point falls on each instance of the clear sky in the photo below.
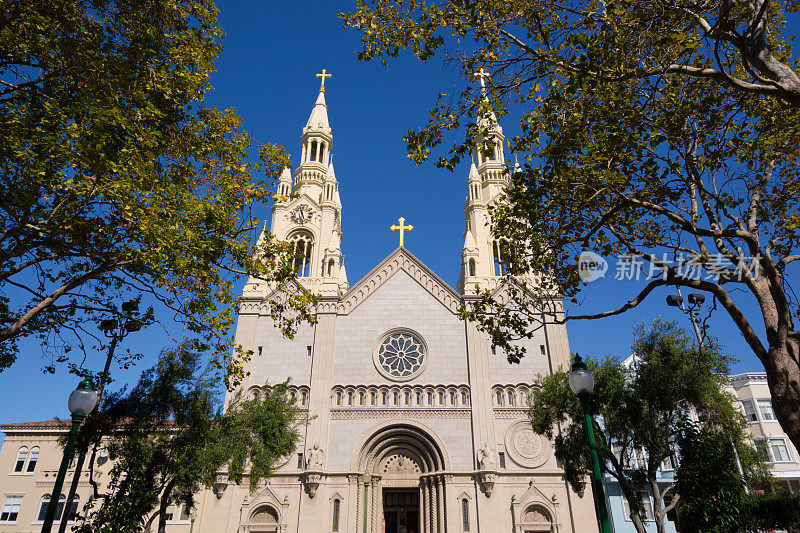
(272, 52)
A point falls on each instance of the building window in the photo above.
(780, 452)
(59, 508)
(645, 504)
(338, 398)
(465, 514)
(302, 246)
(303, 398)
(349, 398)
(308, 351)
(471, 267)
(494, 350)
(502, 456)
(22, 454)
(452, 398)
(260, 351)
(542, 349)
(765, 407)
(313, 151)
(761, 448)
(441, 398)
(372, 398)
(419, 398)
(299, 460)
(463, 398)
(512, 401)
(10, 508)
(749, 410)
(499, 397)
(396, 398)
(430, 398)
(335, 525)
(33, 459)
(385, 398)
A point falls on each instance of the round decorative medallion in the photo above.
(401, 355)
(525, 447)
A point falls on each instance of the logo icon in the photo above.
(591, 266)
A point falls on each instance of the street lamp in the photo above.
(581, 382)
(81, 402)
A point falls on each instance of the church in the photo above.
(416, 424)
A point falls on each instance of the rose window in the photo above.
(401, 355)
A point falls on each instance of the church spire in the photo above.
(317, 142)
(481, 264)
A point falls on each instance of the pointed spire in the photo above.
(473, 172)
(331, 175)
(335, 244)
(342, 275)
(469, 242)
(318, 120)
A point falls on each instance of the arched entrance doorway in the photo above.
(404, 488)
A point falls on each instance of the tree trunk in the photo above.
(658, 504)
(162, 509)
(783, 378)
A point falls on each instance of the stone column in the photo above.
(377, 504)
(434, 507)
(440, 504)
(423, 509)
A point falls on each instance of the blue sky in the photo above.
(267, 72)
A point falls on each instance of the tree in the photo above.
(662, 133)
(168, 440)
(114, 177)
(642, 411)
(715, 499)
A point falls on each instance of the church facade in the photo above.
(415, 423)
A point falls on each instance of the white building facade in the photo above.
(416, 424)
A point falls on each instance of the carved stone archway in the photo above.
(396, 456)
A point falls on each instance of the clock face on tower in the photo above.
(302, 214)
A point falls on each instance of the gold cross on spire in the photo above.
(481, 75)
(323, 76)
(401, 228)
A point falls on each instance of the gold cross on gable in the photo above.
(323, 76)
(401, 228)
(481, 75)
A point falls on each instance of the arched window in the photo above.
(419, 397)
(59, 508)
(349, 398)
(441, 398)
(407, 396)
(302, 246)
(361, 398)
(330, 267)
(372, 398)
(335, 524)
(463, 397)
(465, 514)
(499, 257)
(499, 396)
(452, 398)
(313, 151)
(512, 400)
(396, 398)
(338, 398)
(471, 267)
(303, 398)
(430, 398)
(385, 398)
(34, 458)
(22, 454)
(321, 158)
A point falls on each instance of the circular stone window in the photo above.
(401, 355)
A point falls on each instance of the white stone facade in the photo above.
(444, 447)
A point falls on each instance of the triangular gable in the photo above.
(400, 259)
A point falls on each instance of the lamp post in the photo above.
(696, 300)
(81, 402)
(581, 382)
